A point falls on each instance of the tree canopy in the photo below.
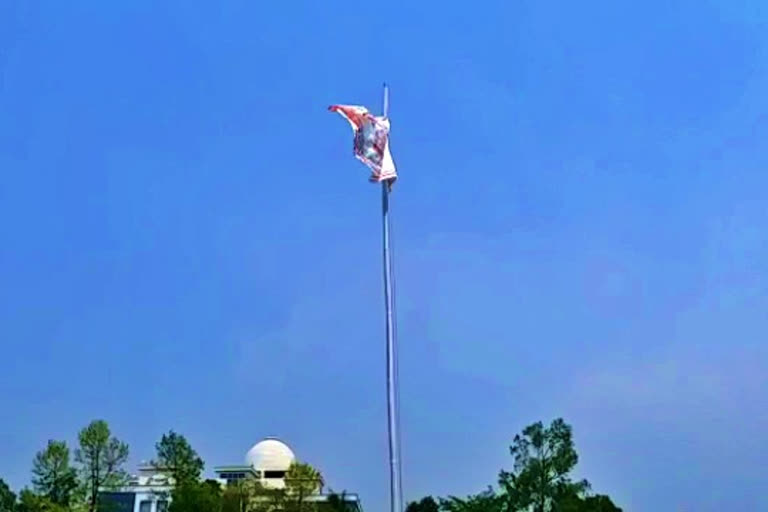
(540, 480)
(487, 501)
(427, 504)
(175, 455)
(101, 457)
(543, 460)
(301, 481)
(29, 501)
(53, 477)
(7, 498)
(196, 496)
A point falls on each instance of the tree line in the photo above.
(540, 480)
(64, 483)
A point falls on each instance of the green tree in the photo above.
(487, 501)
(101, 457)
(596, 503)
(301, 481)
(600, 503)
(426, 504)
(29, 501)
(235, 498)
(544, 458)
(175, 455)
(53, 477)
(263, 499)
(195, 496)
(7, 498)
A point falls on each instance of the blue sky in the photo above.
(188, 243)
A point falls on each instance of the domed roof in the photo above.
(270, 455)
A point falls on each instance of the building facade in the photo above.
(147, 491)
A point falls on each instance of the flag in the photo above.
(371, 141)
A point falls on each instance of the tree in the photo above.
(196, 496)
(540, 481)
(301, 481)
(263, 499)
(234, 498)
(544, 459)
(7, 498)
(175, 455)
(487, 501)
(53, 477)
(101, 457)
(31, 502)
(427, 504)
(596, 503)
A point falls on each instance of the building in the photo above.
(266, 462)
(147, 491)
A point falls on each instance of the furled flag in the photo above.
(371, 141)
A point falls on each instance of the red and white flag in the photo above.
(371, 141)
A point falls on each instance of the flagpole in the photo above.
(395, 496)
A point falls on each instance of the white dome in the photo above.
(270, 455)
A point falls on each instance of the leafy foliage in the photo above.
(195, 496)
(596, 503)
(101, 457)
(53, 477)
(301, 481)
(540, 481)
(600, 503)
(263, 499)
(7, 498)
(427, 504)
(31, 502)
(175, 455)
(235, 498)
(487, 501)
(544, 459)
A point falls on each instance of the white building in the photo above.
(147, 491)
(267, 461)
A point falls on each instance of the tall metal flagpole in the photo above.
(395, 500)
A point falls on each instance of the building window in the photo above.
(117, 502)
(145, 506)
(274, 474)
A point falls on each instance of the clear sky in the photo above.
(186, 241)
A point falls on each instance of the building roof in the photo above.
(270, 455)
